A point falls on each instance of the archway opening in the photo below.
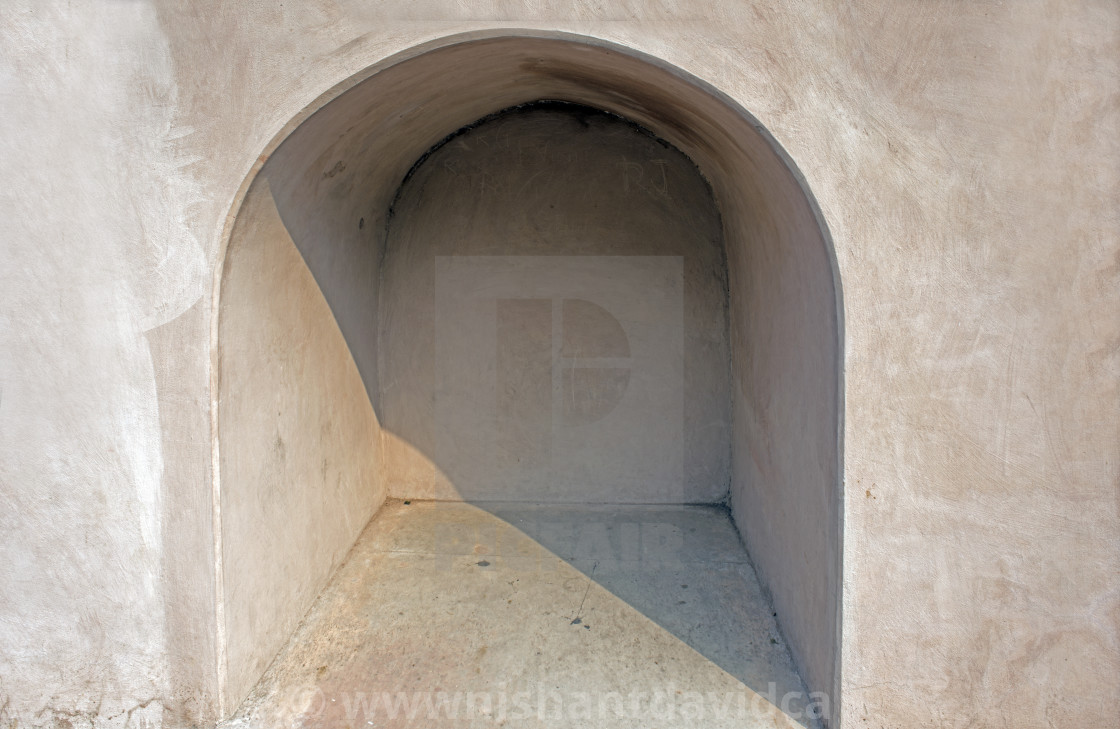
(440, 288)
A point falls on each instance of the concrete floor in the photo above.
(451, 614)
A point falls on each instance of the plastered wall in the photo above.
(964, 157)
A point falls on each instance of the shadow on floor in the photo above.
(452, 614)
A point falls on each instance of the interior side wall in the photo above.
(299, 441)
(605, 228)
(784, 492)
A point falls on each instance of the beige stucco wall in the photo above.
(964, 155)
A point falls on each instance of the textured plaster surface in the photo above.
(479, 614)
(101, 260)
(964, 155)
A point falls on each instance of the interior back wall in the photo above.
(558, 181)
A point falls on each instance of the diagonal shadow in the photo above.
(682, 567)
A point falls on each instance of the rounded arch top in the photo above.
(691, 113)
(330, 176)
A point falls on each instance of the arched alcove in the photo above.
(327, 386)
